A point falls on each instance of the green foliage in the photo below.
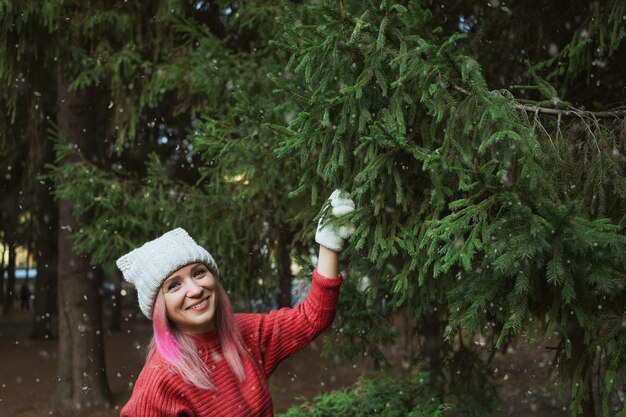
(234, 199)
(474, 219)
(360, 323)
(124, 210)
(456, 188)
(469, 375)
(128, 210)
(389, 397)
(598, 37)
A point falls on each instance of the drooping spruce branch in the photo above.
(614, 113)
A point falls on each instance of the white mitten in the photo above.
(329, 234)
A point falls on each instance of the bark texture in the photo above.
(45, 302)
(82, 383)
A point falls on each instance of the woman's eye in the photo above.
(199, 273)
(172, 286)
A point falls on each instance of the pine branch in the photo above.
(617, 113)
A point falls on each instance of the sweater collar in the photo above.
(207, 337)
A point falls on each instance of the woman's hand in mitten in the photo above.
(330, 233)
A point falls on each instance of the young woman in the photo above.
(204, 360)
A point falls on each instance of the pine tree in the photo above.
(234, 198)
(24, 151)
(480, 213)
(35, 53)
(474, 216)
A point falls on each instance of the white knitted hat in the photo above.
(149, 265)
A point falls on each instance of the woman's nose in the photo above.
(193, 289)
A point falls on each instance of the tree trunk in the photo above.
(583, 359)
(81, 380)
(284, 250)
(115, 321)
(9, 296)
(409, 342)
(431, 347)
(45, 303)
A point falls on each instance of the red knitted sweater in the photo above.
(270, 339)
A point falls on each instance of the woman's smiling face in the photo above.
(190, 295)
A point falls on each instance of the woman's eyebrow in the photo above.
(170, 279)
(177, 276)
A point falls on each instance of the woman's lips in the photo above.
(201, 305)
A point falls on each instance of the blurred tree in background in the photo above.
(483, 141)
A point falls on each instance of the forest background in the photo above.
(483, 143)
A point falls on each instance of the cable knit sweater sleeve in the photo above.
(281, 333)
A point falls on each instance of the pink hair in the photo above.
(180, 351)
